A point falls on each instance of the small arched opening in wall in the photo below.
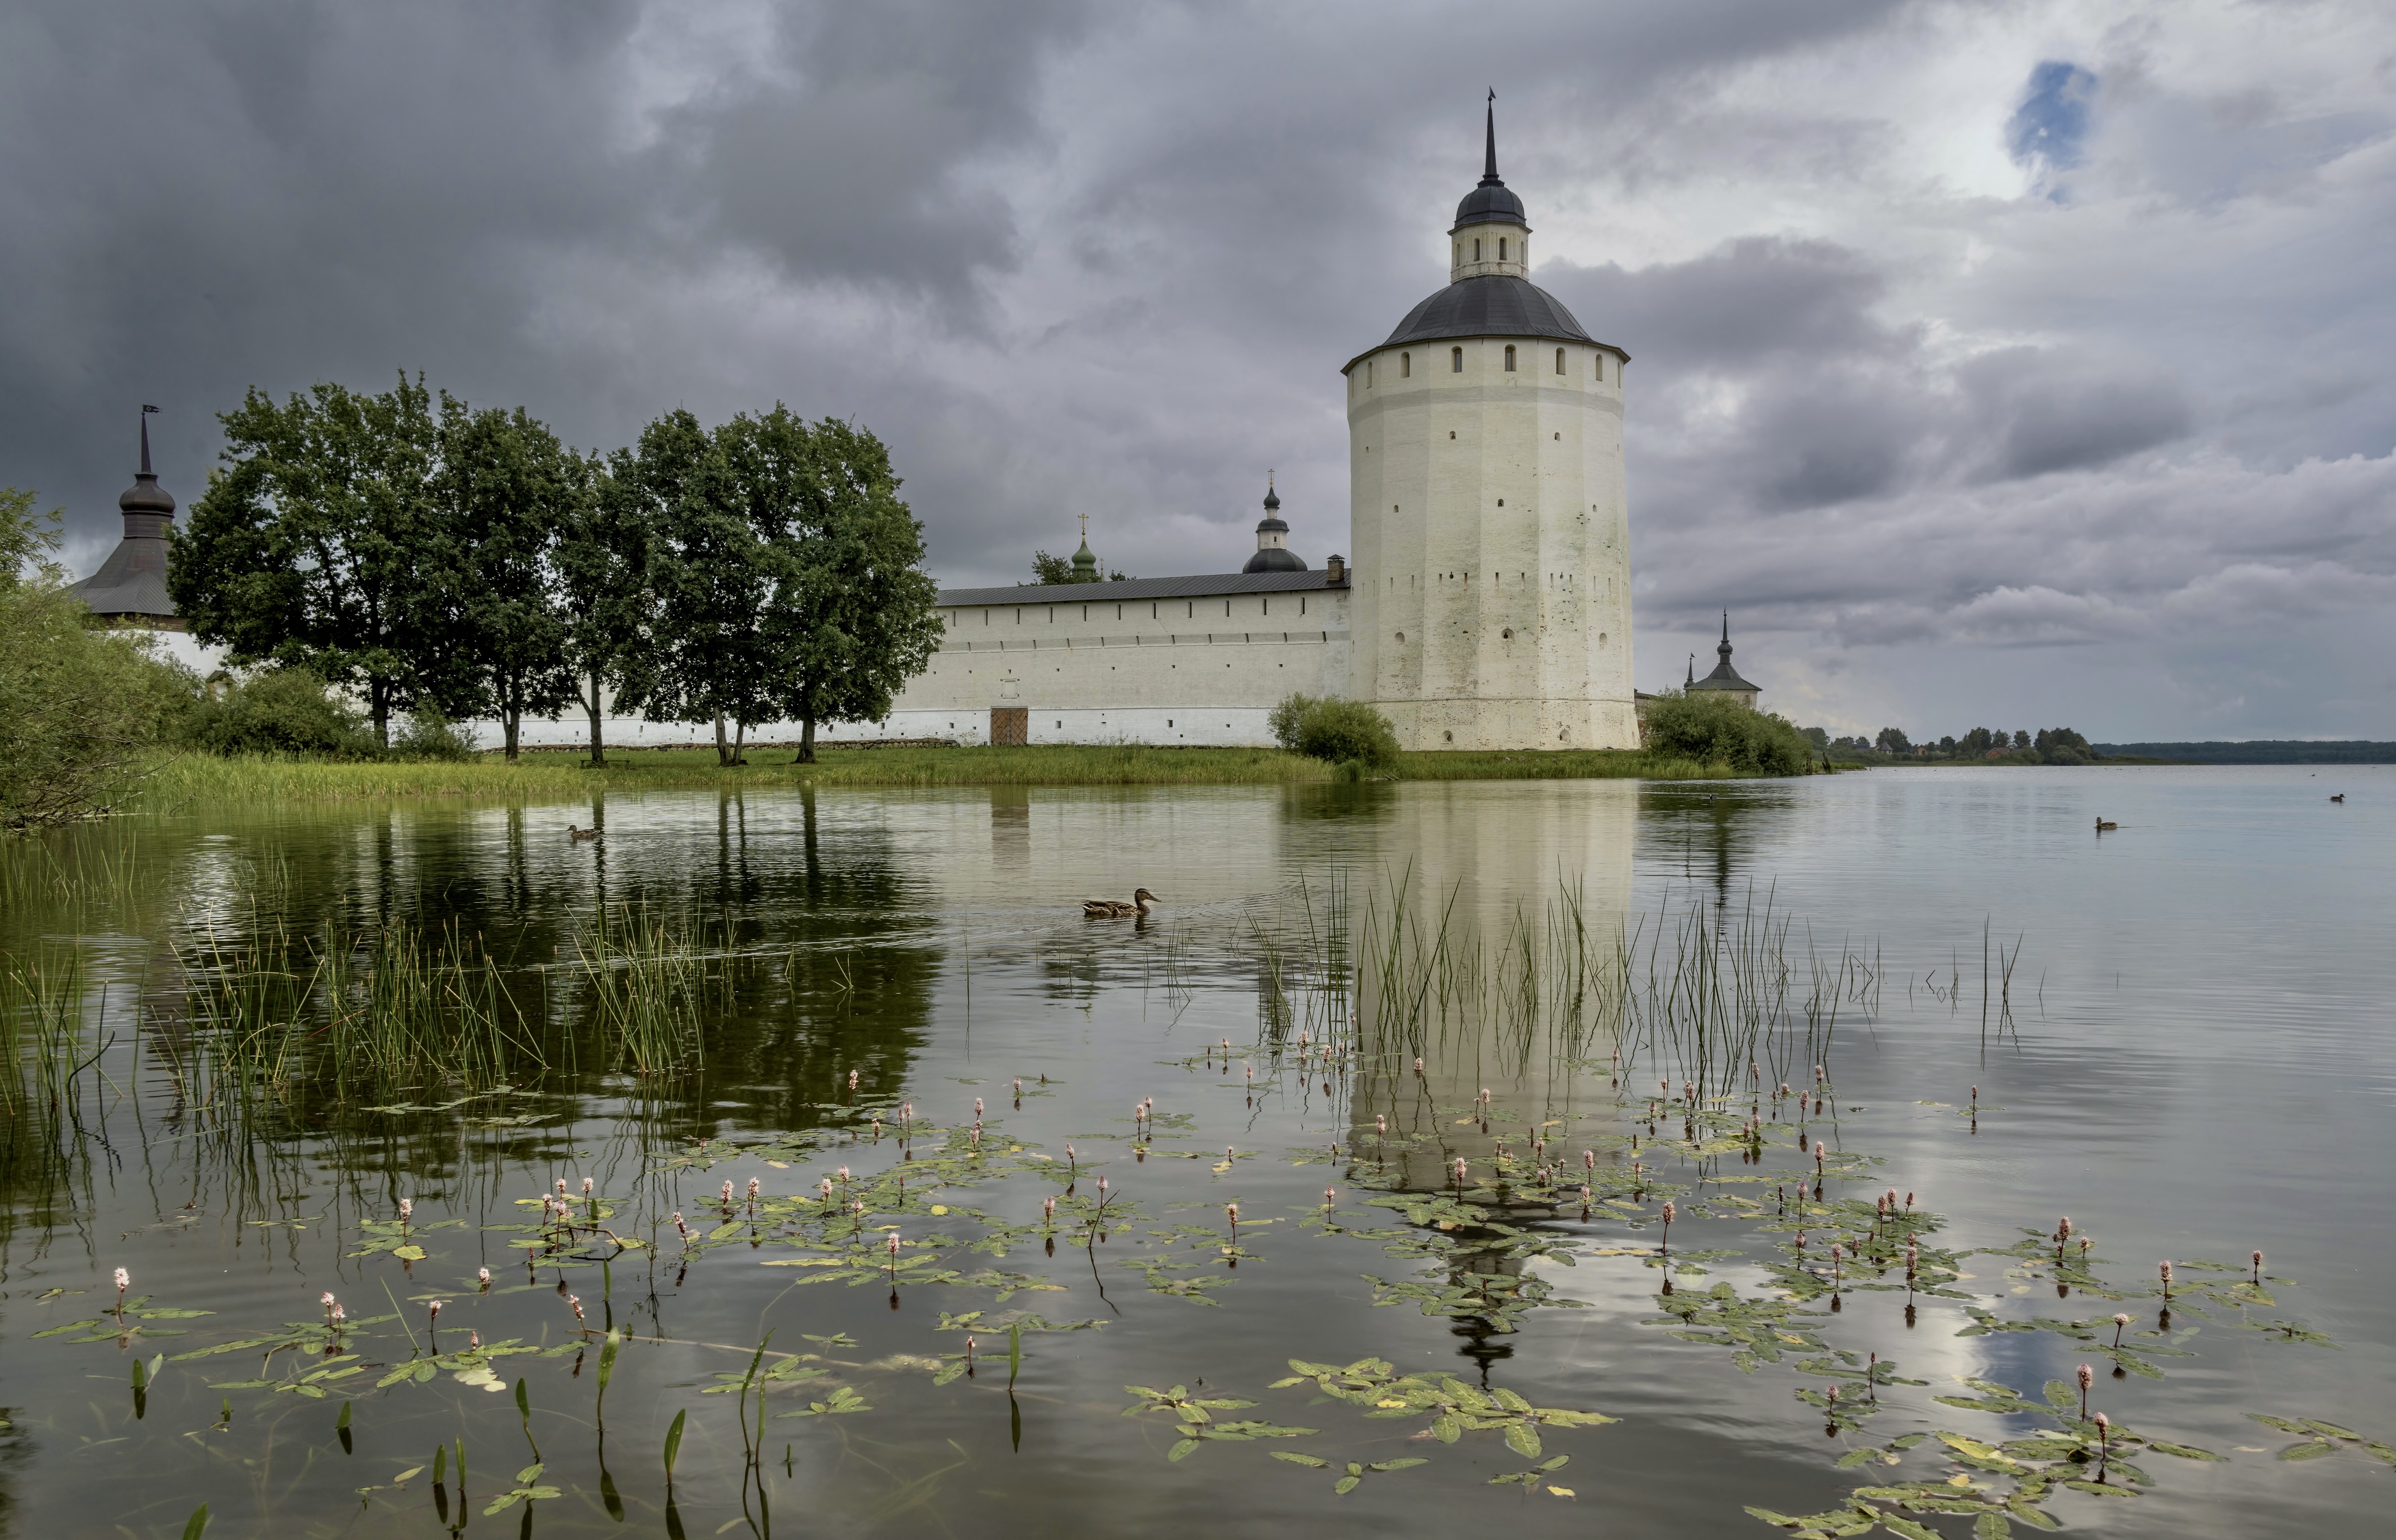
(1406, 365)
(1560, 360)
(1509, 358)
(1454, 365)
(1508, 635)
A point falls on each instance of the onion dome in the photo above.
(1273, 539)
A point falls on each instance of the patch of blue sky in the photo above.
(2047, 131)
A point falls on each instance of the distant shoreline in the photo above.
(183, 781)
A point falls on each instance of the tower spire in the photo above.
(1725, 648)
(146, 410)
(1489, 161)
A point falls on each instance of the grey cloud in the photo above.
(1068, 257)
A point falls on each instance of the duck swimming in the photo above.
(580, 834)
(1115, 909)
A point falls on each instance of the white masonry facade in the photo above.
(1488, 604)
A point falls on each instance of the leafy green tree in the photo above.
(603, 560)
(1891, 740)
(1052, 569)
(710, 580)
(307, 548)
(504, 494)
(78, 703)
(853, 615)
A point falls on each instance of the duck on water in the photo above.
(1115, 909)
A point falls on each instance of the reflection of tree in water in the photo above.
(811, 966)
(1713, 835)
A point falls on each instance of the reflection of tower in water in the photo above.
(1489, 959)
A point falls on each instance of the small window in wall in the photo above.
(1454, 365)
(1508, 635)
(1502, 248)
(1368, 373)
(1406, 365)
(1597, 368)
(1560, 360)
(1509, 358)
(1476, 251)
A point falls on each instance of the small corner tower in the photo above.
(1273, 539)
(1492, 596)
(130, 587)
(1725, 680)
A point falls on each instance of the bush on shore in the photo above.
(79, 704)
(1341, 732)
(1713, 730)
(279, 711)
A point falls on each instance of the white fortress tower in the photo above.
(1491, 604)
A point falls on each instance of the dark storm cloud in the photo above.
(1889, 394)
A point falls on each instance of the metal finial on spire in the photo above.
(1725, 648)
(1489, 164)
(146, 410)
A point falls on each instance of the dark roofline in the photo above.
(1199, 587)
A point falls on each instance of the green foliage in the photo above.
(501, 498)
(1712, 730)
(279, 711)
(309, 547)
(78, 704)
(1053, 569)
(1336, 731)
(431, 736)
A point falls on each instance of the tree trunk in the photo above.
(806, 740)
(379, 702)
(598, 746)
(513, 723)
(723, 756)
(740, 739)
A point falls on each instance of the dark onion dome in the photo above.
(1273, 539)
(1494, 305)
(1491, 202)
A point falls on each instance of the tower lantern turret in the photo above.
(1491, 235)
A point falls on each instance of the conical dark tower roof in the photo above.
(132, 583)
(1725, 677)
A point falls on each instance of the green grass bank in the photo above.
(181, 780)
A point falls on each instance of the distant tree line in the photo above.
(1046, 569)
(2048, 746)
(2263, 751)
(428, 555)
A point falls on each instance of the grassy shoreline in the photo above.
(182, 779)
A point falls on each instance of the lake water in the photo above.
(2180, 1031)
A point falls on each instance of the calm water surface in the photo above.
(2190, 1057)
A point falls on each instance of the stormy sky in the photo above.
(2016, 364)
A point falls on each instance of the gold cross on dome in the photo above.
(1086, 527)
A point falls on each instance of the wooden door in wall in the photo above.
(1010, 724)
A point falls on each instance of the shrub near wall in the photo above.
(1713, 730)
(1337, 731)
(280, 712)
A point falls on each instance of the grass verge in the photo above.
(185, 779)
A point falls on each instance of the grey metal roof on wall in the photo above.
(1200, 587)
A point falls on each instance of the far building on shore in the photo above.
(1725, 680)
(129, 589)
